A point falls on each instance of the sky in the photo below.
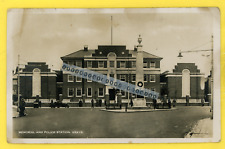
(45, 35)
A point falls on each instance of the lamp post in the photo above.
(211, 79)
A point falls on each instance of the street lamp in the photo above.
(189, 51)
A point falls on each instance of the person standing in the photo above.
(154, 103)
(92, 103)
(22, 105)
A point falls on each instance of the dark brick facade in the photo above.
(48, 81)
(174, 81)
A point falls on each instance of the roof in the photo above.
(81, 54)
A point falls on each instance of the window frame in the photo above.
(145, 75)
(102, 92)
(124, 66)
(133, 63)
(78, 80)
(132, 76)
(150, 76)
(99, 64)
(68, 76)
(90, 62)
(153, 65)
(144, 62)
(87, 92)
(68, 91)
(112, 63)
(80, 92)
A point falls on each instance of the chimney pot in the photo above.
(85, 47)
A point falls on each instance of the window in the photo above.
(89, 92)
(133, 64)
(88, 80)
(152, 78)
(78, 92)
(145, 78)
(100, 92)
(70, 78)
(79, 63)
(123, 93)
(78, 79)
(111, 64)
(122, 64)
(89, 64)
(70, 92)
(100, 64)
(152, 65)
(133, 77)
(145, 64)
(70, 63)
(111, 75)
(123, 77)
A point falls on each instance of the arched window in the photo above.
(186, 83)
(36, 82)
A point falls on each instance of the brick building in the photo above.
(111, 60)
(36, 79)
(186, 79)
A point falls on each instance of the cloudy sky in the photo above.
(44, 35)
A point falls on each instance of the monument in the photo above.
(140, 100)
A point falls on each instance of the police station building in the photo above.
(114, 61)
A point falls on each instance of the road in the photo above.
(93, 123)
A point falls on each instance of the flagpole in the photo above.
(111, 30)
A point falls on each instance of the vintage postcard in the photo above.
(140, 75)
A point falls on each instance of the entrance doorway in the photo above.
(112, 93)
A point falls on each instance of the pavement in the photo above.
(123, 110)
(202, 129)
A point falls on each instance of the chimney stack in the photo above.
(85, 47)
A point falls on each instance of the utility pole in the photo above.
(18, 82)
(212, 79)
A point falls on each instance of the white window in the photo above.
(100, 64)
(133, 64)
(70, 78)
(89, 64)
(122, 64)
(111, 64)
(152, 78)
(70, 92)
(79, 63)
(100, 92)
(123, 93)
(123, 77)
(152, 65)
(145, 78)
(89, 92)
(78, 79)
(78, 92)
(133, 77)
(145, 64)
